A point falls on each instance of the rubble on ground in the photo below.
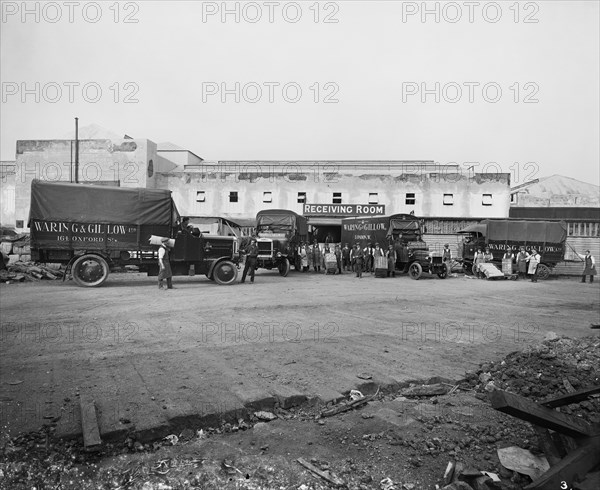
(22, 271)
(410, 440)
(547, 370)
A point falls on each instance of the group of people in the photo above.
(358, 260)
(526, 263)
(522, 262)
(345, 259)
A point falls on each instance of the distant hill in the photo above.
(556, 191)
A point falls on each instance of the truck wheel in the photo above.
(468, 268)
(415, 270)
(225, 272)
(443, 274)
(543, 271)
(90, 270)
(284, 267)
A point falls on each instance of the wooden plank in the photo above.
(572, 467)
(529, 411)
(547, 445)
(89, 424)
(326, 475)
(575, 397)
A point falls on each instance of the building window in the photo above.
(301, 197)
(410, 198)
(150, 172)
(19, 223)
(200, 196)
(513, 198)
(267, 196)
(337, 198)
(486, 200)
(373, 198)
(448, 199)
(233, 196)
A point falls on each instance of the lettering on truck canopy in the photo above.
(82, 216)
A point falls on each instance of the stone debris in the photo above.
(265, 416)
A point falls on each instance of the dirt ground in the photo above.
(166, 362)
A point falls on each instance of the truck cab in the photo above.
(279, 234)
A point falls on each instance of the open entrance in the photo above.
(326, 230)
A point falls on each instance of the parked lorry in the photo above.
(279, 235)
(404, 232)
(499, 235)
(93, 229)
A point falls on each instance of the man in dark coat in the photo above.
(317, 258)
(346, 257)
(250, 263)
(358, 258)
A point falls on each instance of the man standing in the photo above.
(478, 259)
(346, 257)
(534, 260)
(369, 258)
(358, 259)
(391, 261)
(164, 265)
(521, 259)
(338, 257)
(447, 254)
(250, 264)
(317, 256)
(590, 266)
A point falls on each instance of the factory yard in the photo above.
(202, 356)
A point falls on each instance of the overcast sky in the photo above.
(516, 83)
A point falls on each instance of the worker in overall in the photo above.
(509, 257)
(164, 265)
(477, 260)
(590, 266)
(250, 263)
(522, 257)
(534, 261)
(447, 254)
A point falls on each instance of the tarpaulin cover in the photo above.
(282, 217)
(83, 203)
(526, 231)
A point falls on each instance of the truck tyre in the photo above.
(284, 267)
(225, 272)
(543, 271)
(443, 274)
(90, 270)
(415, 270)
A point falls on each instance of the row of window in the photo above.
(583, 229)
(410, 198)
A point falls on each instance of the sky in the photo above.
(502, 86)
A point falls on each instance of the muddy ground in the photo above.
(202, 356)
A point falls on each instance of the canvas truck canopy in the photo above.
(282, 218)
(526, 231)
(81, 203)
